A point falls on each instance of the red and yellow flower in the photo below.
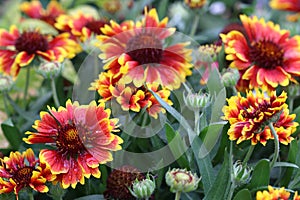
(136, 50)
(275, 193)
(249, 117)
(23, 170)
(81, 136)
(287, 5)
(18, 49)
(80, 26)
(266, 55)
(35, 10)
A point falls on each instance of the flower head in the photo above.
(143, 189)
(34, 9)
(273, 193)
(119, 180)
(250, 115)
(181, 180)
(287, 5)
(6, 83)
(49, 69)
(265, 55)
(196, 101)
(81, 136)
(241, 174)
(18, 49)
(23, 170)
(195, 3)
(80, 26)
(138, 52)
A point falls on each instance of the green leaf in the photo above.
(286, 164)
(222, 182)
(243, 194)
(177, 146)
(91, 197)
(261, 175)
(214, 83)
(43, 27)
(162, 8)
(12, 134)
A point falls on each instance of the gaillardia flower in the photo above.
(35, 10)
(81, 136)
(276, 193)
(80, 26)
(140, 53)
(23, 170)
(287, 5)
(18, 49)
(119, 180)
(249, 117)
(266, 55)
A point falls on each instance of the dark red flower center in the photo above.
(23, 176)
(95, 26)
(266, 54)
(145, 48)
(262, 107)
(31, 42)
(69, 140)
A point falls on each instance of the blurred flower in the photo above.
(137, 51)
(181, 180)
(81, 26)
(81, 138)
(19, 171)
(195, 3)
(119, 180)
(196, 100)
(207, 60)
(273, 193)
(143, 189)
(287, 5)
(19, 49)
(249, 117)
(241, 174)
(112, 6)
(6, 83)
(266, 55)
(34, 9)
(49, 69)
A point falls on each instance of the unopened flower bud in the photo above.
(143, 189)
(195, 3)
(196, 100)
(241, 173)
(6, 83)
(181, 180)
(49, 69)
(230, 78)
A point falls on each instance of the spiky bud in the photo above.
(143, 189)
(196, 100)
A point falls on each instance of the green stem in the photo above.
(291, 103)
(195, 25)
(5, 104)
(197, 121)
(248, 155)
(234, 90)
(276, 141)
(30, 195)
(53, 87)
(232, 186)
(177, 196)
(26, 84)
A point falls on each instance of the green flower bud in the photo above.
(241, 173)
(143, 189)
(181, 180)
(49, 69)
(6, 83)
(196, 100)
(231, 77)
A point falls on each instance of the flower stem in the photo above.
(30, 194)
(5, 104)
(177, 196)
(26, 84)
(276, 141)
(197, 121)
(55, 97)
(291, 103)
(232, 186)
(248, 155)
(195, 25)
